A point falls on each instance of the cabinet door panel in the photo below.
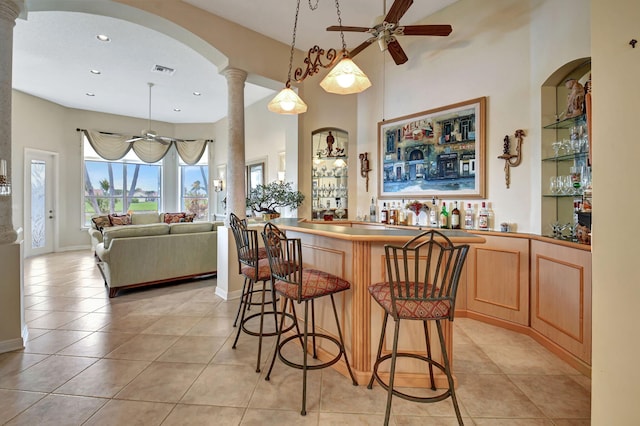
(561, 296)
(498, 279)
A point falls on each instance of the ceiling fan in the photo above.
(386, 29)
(152, 135)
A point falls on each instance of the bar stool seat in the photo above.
(301, 285)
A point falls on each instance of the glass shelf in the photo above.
(567, 123)
(568, 157)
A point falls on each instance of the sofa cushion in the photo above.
(188, 228)
(100, 222)
(174, 217)
(133, 231)
(119, 219)
(145, 218)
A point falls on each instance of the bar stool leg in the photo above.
(392, 373)
(342, 348)
(244, 310)
(447, 368)
(261, 328)
(276, 351)
(428, 340)
(313, 328)
(244, 287)
(304, 357)
(382, 333)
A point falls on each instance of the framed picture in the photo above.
(440, 152)
(255, 175)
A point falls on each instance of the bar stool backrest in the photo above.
(425, 270)
(285, 257)
(246, 242)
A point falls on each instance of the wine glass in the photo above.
(553, 185)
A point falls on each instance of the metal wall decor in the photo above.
(365, 168)
(511, 160)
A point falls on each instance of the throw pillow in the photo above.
(101, 222)
(120, 219)
(174, 217)
(189, 217)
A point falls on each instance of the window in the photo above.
(194, 187)
(119, 186)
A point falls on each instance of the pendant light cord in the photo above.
(293, 43)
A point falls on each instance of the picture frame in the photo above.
(434, 153)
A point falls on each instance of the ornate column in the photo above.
(9, 11)
(236, 198)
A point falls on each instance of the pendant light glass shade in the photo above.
(345, 78)
(287, 102)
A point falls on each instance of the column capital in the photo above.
(235, 74)
(9, 10)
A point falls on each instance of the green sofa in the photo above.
(142, 255)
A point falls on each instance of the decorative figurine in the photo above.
(330, 141)
(575, 98)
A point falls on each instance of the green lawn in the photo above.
(144, 206)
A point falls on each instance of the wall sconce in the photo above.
(511, 160)
(217, 185)
(281, 176)
(364, 168)
(5, 185)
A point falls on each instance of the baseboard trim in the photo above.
(12, 345)
(220, 292)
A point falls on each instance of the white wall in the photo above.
(616, 289)
(501, 50)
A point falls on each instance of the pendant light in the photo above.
(288, 101)
(346, 78)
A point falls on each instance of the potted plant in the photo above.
(265, 199)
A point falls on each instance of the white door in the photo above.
(39, 202)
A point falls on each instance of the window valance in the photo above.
(113, 146)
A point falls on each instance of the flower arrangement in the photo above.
(415, 206)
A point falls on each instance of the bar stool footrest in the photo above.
(269, 333)
(402, 395)
(310, 336)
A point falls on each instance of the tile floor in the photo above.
(163, 356)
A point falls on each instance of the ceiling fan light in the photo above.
(345, 78)
(287, 102)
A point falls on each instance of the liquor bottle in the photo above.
(444, 216)
(384, 214)
(468, 217)
(483, 218)
(455, 217)
(392, 216)
(433, 214)
(372, 211)
(402, 214)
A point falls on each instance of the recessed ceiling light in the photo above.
(197, 94)
(90, 94)
(177, 109)
(95, 72)
(103, 37)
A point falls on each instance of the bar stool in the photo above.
(422, 281)
(254, 266)
(297, 284)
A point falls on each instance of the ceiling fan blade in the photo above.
(396, 52)
(133, 139)
(424, 30)
(354, 29)
(164, 140)
(361, 47)
(398, 9)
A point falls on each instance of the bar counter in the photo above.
(356, 253)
